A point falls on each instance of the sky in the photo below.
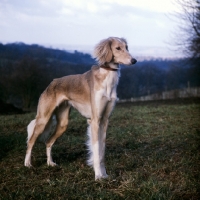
(81, 24)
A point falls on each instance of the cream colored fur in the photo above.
(93, 94)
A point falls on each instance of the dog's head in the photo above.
(113, 50)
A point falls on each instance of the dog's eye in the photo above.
(126, 47)
(118, 48)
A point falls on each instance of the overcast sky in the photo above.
(80, 24)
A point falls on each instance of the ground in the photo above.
(153, 152)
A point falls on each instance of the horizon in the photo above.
(141, 52)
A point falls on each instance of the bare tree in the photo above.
(188, 36)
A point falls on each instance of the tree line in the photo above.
(26, 70)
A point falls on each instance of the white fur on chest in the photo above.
(109, 85)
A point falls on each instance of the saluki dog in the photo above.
(93, 94)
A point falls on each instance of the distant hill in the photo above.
(16, 51)
(26, 70)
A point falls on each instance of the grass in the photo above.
(153, 152)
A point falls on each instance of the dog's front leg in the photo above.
(102, 140)
(95, 130)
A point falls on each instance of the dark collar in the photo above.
(107, 67)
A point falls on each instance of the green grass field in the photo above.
(153, 152)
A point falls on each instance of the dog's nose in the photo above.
(133, 60)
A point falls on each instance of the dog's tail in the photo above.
(49, 129)
(89, 145)
(30, 129)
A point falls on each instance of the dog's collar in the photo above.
(107, 67)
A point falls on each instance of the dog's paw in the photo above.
(52, 164)
(105, 176)
(100, 177)
(27, 164)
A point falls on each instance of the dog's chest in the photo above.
(109, 85)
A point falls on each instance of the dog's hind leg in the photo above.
(49, 129)
(62, 115)
(38, 129)
(37, 126)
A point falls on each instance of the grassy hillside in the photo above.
(152, 153)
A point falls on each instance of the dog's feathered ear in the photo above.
(103, 52)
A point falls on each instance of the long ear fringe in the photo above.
(102, 51)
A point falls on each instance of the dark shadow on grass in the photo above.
(68, 157)
(61, 156)
(10, 142)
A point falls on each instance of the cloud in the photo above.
(81, 22)
(153, 5)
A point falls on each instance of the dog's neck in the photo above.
(110, 66)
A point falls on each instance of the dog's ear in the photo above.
(109, 54)
(103, 52)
